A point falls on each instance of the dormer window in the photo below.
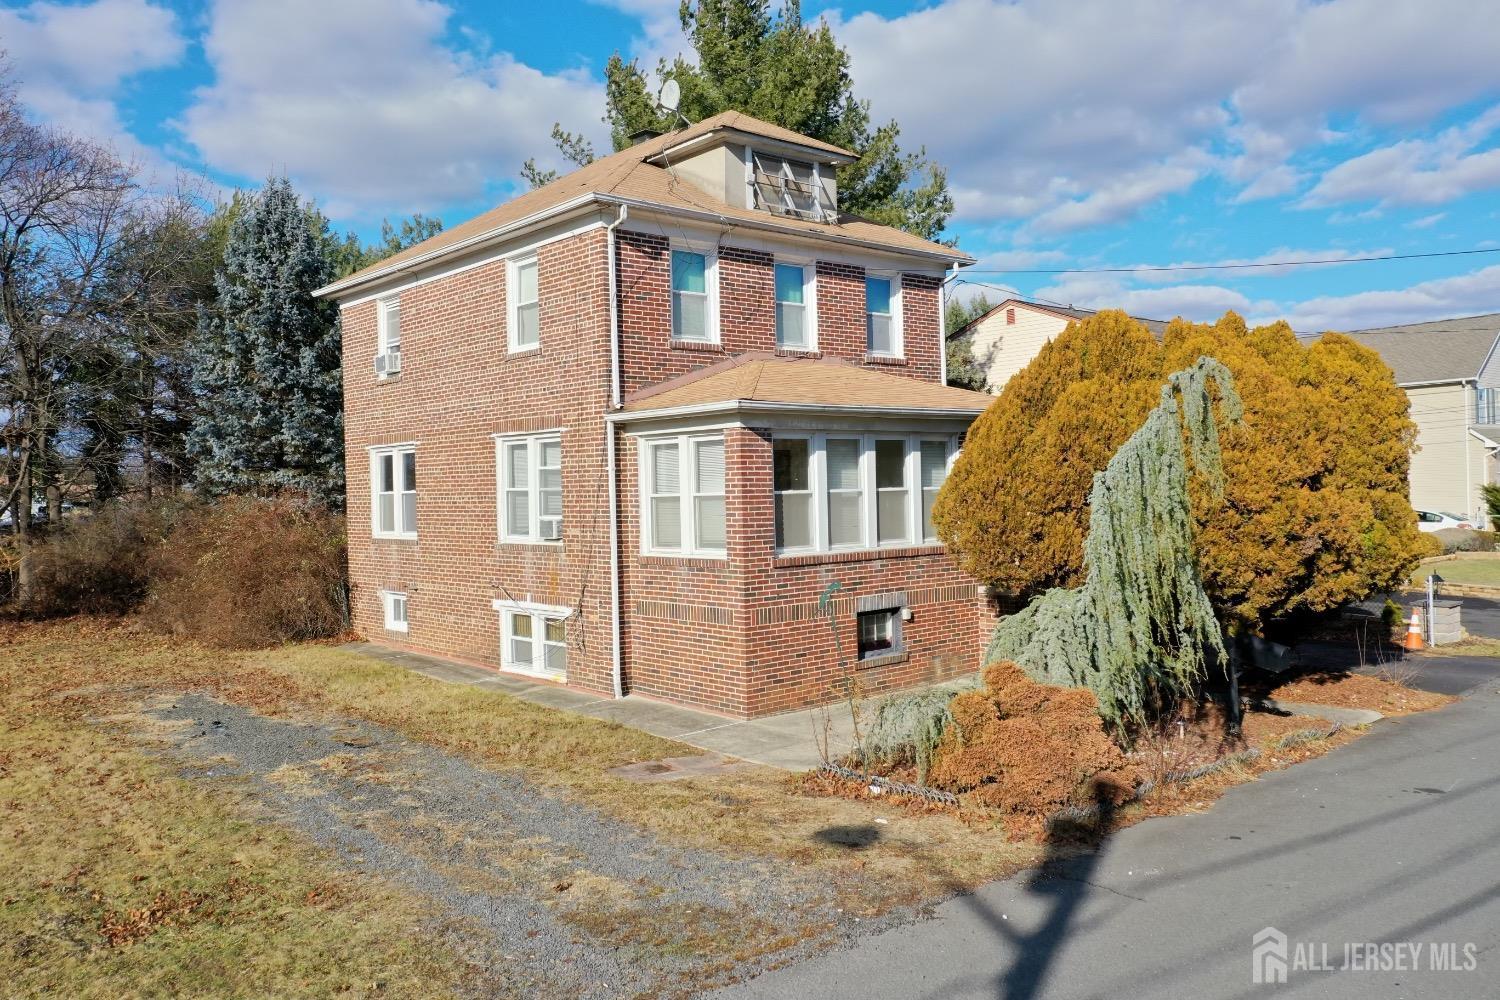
(787, 187)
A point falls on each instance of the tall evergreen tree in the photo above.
(777, 68)
(267, 357)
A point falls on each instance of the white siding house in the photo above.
(1006, 338)
(1451, 375)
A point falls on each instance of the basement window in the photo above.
(879, 633)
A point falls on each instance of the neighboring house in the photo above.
(1005, 339)
(628, 430)
(1451, 374)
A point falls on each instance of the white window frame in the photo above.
(383, 308)
(898, 335)
(869, 531)
(898, 637)
(809, 302)
(817, 502)
(532, 533)
(710, 257)
(399, 484)
(540, 615)
(390, 600)
(513, 303)
(687, 483)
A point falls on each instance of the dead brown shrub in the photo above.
(96, 563)
(1029, 749)
(251, 572)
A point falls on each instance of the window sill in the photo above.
(531, 542)
(705, 346)
(799, 352)
(884, 660)
(687, 560)
(386, 379)
(856, 555)
(397, 629)
(540, 675)
(393, 538)
(885, 359)
(522, 352)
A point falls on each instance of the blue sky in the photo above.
(1077, 133)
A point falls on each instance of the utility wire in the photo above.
(1226, 267)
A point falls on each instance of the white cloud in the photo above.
(1427, 221)
(1200, 302)
(1036, 103)
(71, 60)
(1117, 199)
(368, 107)
(1416, 171)
(1464, 295)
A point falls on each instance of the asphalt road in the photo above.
(1393, 838)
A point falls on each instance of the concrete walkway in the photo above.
(787, 741)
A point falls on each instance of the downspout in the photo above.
(616, 668)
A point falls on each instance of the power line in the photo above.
(1227, 267)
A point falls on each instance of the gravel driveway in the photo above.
(545, 897)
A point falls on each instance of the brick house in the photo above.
(625, 430)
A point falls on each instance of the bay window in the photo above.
(682, 495)
(393, 491)
(693, 275)
(840, 491)
(530, 488)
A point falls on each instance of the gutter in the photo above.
(616, 669)
(762, 406)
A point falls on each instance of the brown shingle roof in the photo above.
(741, 122)
(769, 378)
(627, 175)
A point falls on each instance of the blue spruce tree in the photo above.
(266, 361)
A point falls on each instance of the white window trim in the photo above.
(376, 453)
(710, 286)
(388, 600)
(818, 479)
(533, 441)
(687, 481)
(540, 615)
(809, 300)
(512, 302)
(382, 329)
(898, 333)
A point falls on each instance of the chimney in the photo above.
(645, 134)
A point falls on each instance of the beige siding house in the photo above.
(1006, 338)
(1451, 374)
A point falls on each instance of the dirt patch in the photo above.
(1344, 690)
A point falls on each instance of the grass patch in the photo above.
(123, 879)
(1479, 572)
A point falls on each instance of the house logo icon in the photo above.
(1268, 956)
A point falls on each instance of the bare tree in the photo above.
(64, 203)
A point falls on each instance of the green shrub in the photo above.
(1464, 540)
(251, 572)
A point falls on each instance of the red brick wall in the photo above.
(733, 635)
(458, 386)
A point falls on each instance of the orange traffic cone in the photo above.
(1414, 631)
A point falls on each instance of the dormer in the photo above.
(763, 168)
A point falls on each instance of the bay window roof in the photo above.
(775, 381)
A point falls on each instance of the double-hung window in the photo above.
(533, 639)
(842, 491)
(682, 495)
(525, 309)
(530, 488)
(693, 275)
(393, 490)
(794, 308)
(882, 323)
(388, 337)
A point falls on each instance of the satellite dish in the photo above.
(670, 96)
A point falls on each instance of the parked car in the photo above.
(1437, 520)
